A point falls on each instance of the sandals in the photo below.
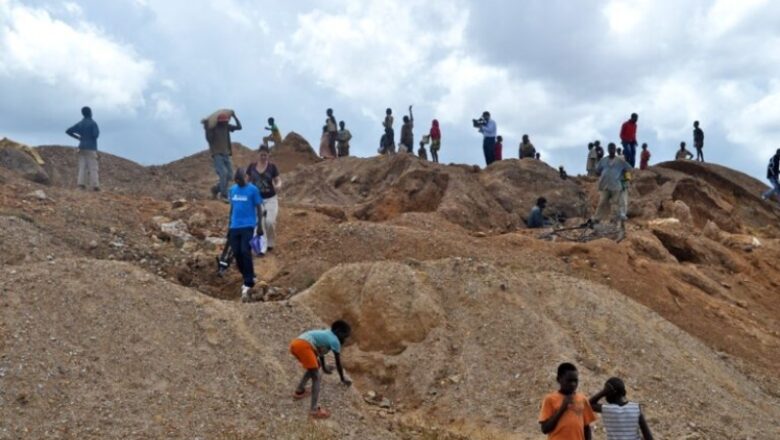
(299, 396)
(320, 413)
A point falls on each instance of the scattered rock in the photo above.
(37, 194)
(179, 204)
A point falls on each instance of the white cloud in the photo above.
(78, 58)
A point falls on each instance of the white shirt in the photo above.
(489, 129)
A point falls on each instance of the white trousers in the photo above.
(88, 168)
(271, 211)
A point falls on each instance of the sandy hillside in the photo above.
(114, 324)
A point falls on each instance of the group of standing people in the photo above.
(406, 142)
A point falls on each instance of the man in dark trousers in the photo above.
(87, 132)
(698, 141)
(487, 127)
(218, 129)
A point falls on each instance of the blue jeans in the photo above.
(489, 148)
(629, 152)
(774, 190)
(239, 241)
(223, 166)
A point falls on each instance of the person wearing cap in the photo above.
(220, 147)
(246, 210)
(87, 132)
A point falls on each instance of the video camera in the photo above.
(478, 123)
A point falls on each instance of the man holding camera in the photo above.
(488, 128)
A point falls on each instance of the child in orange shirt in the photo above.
(566, 414)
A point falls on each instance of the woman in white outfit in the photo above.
(265, 176)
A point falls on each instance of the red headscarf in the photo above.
(435, 132)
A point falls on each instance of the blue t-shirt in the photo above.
(322, 340)
(244, 202)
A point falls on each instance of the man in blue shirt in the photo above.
(489, 130)
(87, 132)
(245, 212)
(536, 217)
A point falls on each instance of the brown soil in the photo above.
(113, 329)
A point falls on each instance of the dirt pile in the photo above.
(382, 188)
(115, 325)
(21, 159)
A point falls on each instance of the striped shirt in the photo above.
(621, 422)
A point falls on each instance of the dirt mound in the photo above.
(467, 346)
(120, 353)
(382, 188)
(20, 159)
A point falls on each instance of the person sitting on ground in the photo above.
(566, 414)
(644, 158)
(698, 141)
(342, 138)
(246, 210)
(623, 420)
(538, 156)
(265, 176)
(86, 132)
(275, 136)
(682, 153)
(310, 349)
(590, 164)
(772, 174)
(527, 150)
(612, 170)
(435, 135)
(422, 153)
(498, 149)
(407, 136)
(536, 217)
(562, 173)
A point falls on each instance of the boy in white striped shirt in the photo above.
(623, 420)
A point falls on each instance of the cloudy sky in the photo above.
(564, 72)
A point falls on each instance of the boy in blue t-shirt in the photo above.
(245, 212)
(310, 349)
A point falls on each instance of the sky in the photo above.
(563, 72)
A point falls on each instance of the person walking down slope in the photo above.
(772, 174)
(698, 141)
(407, 135)
(265, 176)
(682, 153)
(218, 129)
(488, 128)
(527, 150)
(628, 139)
(332, 127)
(275, 136)
(86, 132)
(611, 171)
(644, 158)
(245, 213)
(344, 136)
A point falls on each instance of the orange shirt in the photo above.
(571, 425)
